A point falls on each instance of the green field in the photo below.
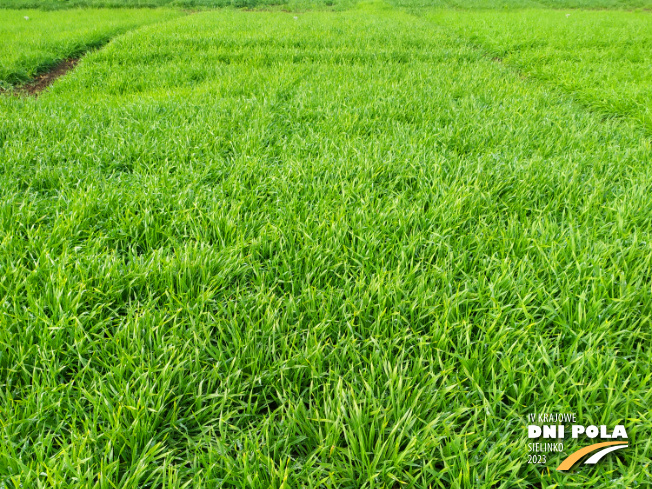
(33, 41)
(603, 58)
(326, 249)
(302, 5)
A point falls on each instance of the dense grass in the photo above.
(321, 250)
(328, 4)
(466, 5)
(33, 44)
(603, 58)
(183, 4)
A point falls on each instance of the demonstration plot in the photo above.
(603, 58)
(502, 5)
(303, 5)
(315, 250)
(34, 41)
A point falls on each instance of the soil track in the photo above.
(44, 80)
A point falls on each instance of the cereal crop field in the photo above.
(324, 245)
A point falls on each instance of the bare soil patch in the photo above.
(44, 80)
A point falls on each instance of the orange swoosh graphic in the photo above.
(574, 457)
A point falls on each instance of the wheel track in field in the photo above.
(48, 74)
